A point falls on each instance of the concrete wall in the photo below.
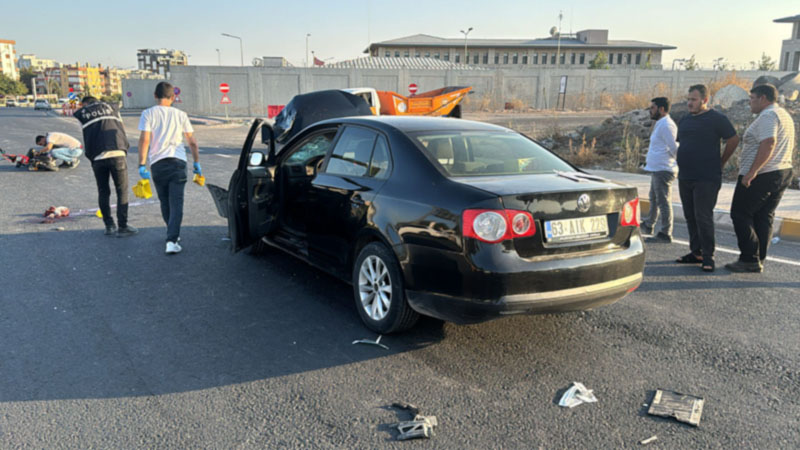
(252, 89)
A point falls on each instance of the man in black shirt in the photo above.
(700, 172)
(107, 148)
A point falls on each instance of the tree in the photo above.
(9, 86)
(600, 61)
(766, 63)
(55, 87)
(691, 64)
(721, 65)
(25, 76)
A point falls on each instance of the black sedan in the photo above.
(459, 220)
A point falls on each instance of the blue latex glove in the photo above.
(143, 172)
(197, 168)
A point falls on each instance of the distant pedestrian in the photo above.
(765, 171)
(662, 167)
(107, 149)
(62, 147)
(700, 172)
(163, 129)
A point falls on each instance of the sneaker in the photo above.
(173, 247)
(127, 231)
(111, 230)
(645, 229)
(743, 266)
(659, 238)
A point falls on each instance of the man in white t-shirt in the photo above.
(163, 129)
(62, 147)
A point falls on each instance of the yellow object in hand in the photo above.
(142, 189)
(99, 214)
(199, 179)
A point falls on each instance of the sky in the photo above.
(109, 33)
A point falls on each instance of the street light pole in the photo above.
(241, 46)
(558, 47)
(308, 35)
(466, 33)
(219, 57)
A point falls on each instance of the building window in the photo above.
(638, 58)
(388, 54)
(397, 53)
(524, 59)
(563, 59)
(535, 58)
(416, 54)
(485, 57)
(553, 59)
(458, 57)
(515, 58)
(628, 59)
(436, 55)
(427, 54)
(544, 58)
(619, 58)
(497, 58)
(447, 56)
(572, 59)
(583, 58)
(505, 58)
(405, 54)
(610, 58)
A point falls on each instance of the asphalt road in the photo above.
(108, 343)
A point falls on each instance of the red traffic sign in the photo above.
(224, 88)
(70, 89)
(412, 88)
(225, 99)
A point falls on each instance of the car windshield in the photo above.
(480, 153)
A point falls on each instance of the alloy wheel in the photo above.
(375, 287)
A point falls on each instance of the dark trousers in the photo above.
(117, 169)
(698, 199)
(169, 177)
(753, 210)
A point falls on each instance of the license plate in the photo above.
(576, 229)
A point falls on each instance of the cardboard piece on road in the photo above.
(684, 408)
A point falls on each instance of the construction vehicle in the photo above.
(445, 101)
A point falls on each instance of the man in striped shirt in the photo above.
(765, 171)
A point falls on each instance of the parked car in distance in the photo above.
(459, 220)
(10, 103)
(62, 101)
(42, 104)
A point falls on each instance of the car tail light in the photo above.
(630, 216)
(495, 225)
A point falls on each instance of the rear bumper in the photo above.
(494, 281)
(464, 311)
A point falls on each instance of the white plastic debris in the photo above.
(776, 239)
(648, 440)
(376, 342)
(577, 394)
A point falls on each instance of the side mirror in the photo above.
(256, 159)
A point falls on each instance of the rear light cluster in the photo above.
(496, 225)
(630, 217)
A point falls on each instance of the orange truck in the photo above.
(439, 102)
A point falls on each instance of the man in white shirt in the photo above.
(765, 171)
(663, 168)
(163, 129)
(62, 147)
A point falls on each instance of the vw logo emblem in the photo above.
(584, 202)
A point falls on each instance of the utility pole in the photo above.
(308, 35)
(466, 33)
(219, 57)
(558, 47)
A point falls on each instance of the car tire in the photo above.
(376, 276)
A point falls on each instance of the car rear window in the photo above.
(488, 153)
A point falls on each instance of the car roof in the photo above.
(408, 124)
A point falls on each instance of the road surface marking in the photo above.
(736, 252)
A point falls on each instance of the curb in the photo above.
(784, 228)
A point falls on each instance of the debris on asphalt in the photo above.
(776, 239)
(420, 427)
(368, 342)
(59, 229)
(55, 212)
(648, 440)
(684, 408)
(577, 394)
(407, 406)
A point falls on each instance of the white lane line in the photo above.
(736, 252)
(223, 156)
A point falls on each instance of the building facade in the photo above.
(790, 50)
(159, 61)
(569, 51)
(8, 59)
(80, 79)
(30, 61)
